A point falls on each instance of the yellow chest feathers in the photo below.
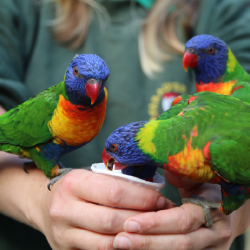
(76, 125)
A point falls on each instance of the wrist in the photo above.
(21, 194)
(37, 194)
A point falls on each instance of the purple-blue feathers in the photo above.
(89, 66)
(128, 151)
(210, 66)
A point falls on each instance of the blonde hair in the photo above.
(157, 39)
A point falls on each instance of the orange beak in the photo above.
(109, 161)
(92, 91)
(189, 60)
(105, 157)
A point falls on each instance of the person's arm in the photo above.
(69, 216)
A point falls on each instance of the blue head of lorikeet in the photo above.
(121, 149)
(85, 79)
(215, 67)
(207, 55)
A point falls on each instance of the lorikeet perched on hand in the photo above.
(205, 138)
(60, 119)
(216, 68)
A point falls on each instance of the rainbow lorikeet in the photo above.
(215, 67)
(204, 137)
(60, 119)
(146, 172)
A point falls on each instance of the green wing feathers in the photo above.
(18, 126)
(176, 108)
(241, 91)
(222, 121)
(230, 155)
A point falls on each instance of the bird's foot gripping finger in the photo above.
(60, 173)
(28, 164)
(207, 205)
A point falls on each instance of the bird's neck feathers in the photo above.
(223, 85)
(84, 101)
(81, 99)
(234, 70)
(224, 88)
(152, 137)
(67, 104)
(69, 120)
(145, 137)
(74, 91)
(61, 90)
(175, 153)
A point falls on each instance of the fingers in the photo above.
(111, 192)
(173, 242)
(76, 238)
(190, 235)
(73, 196)
(184, 219)
(69, 213)
(92, 217)
(177, 228)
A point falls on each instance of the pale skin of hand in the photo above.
(181, 227)
(69, 215)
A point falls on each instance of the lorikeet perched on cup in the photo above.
(205, 138)
(60, 119)
(215, 67)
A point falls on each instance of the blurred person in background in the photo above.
(142, 43)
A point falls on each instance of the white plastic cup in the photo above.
(157, 184)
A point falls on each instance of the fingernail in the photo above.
(161, 203)
(122, 242)
(170, 204)
(131, 226)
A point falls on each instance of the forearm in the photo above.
(21, 192)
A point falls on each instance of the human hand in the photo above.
(69, 215)
(181, 227)
(72, 219)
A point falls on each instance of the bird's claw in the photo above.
(61, 173)
(207, 205)
(28, 164)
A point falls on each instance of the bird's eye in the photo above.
(210, 50)
(75, 70)
(113, 147)
(190, 50)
